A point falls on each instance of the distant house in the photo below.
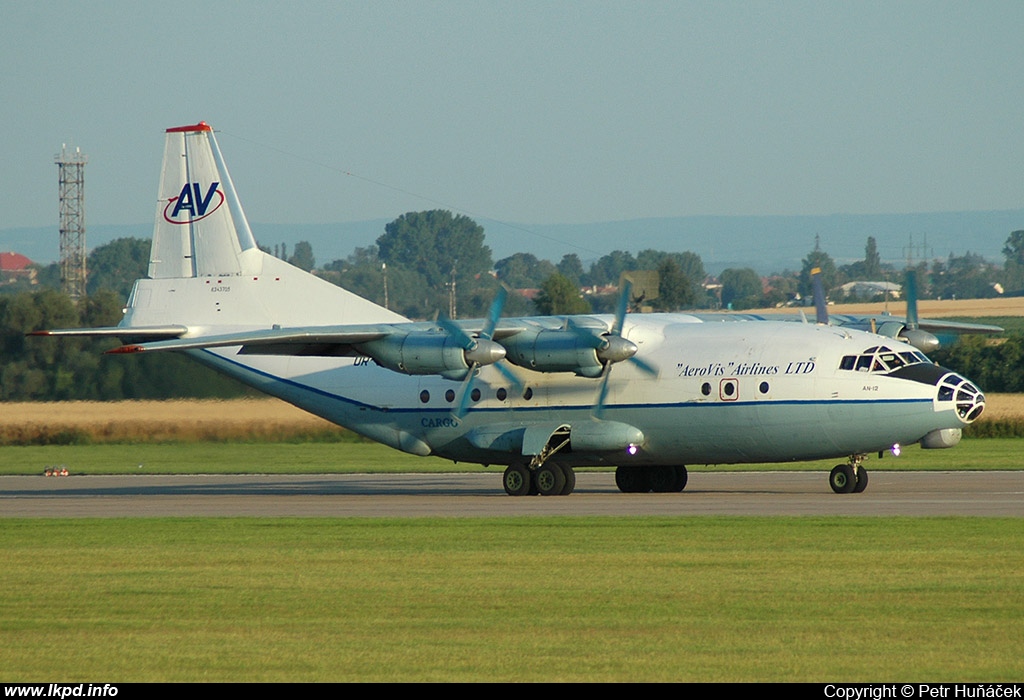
(871, 289)
(15, 267)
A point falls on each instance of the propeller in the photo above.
(912, 321)
(481, 350)
(612, 347)
(912, 332)
(820, 303)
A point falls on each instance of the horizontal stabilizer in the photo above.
(287, 341)
(138, 334)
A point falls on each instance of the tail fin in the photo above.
(200, 228)
(206, 269)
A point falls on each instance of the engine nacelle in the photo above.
(429, 352)
(922, 340)
(941, 439)
(554, 351)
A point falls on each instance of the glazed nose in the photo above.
(970, 402)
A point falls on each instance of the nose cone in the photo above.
(967, 399)
(486, 352)
(617, 349)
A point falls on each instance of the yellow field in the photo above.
(239, 419)
(155, 421)
(967, 308)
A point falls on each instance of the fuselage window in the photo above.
(424, 396)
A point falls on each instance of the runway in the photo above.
(986, 494)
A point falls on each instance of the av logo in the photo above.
(192, 205)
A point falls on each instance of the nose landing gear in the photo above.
(851, 477)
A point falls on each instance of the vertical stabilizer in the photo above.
(200, 229)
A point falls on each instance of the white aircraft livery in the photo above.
(644, 393)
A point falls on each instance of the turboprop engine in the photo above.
(922, 340)
(561, 350)
(430, 352)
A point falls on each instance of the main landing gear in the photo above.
(659, 479)
(851, 477)
(546, 480)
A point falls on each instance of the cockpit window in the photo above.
(881, 359)
(969, 399)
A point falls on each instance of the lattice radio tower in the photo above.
(71, 166)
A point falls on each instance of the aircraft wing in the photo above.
(932, 325)
(319, 341)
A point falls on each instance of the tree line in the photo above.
(435, 262)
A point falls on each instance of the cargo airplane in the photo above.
(644, 393)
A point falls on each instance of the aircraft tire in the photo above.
(662, 479)
(516, 480)
(550, 480)
(842, 479)
(682, 476)
(570, 481)
(862, 480)
(632, 479)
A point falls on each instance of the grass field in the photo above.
(533, 599)
(239, 420)
(356, 457)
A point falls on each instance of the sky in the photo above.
(525, 111)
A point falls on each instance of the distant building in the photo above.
(15, 267)
(871, 289)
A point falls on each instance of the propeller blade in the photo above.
(465, 393)
(820, 304)
(465, 339)
(511, 376)
(644, 366)
(494, 314)
(912, 320)
(589, 336)
(620, 312)
(483, 351)
(603, 394)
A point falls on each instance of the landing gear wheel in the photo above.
(632, 479)
(550, 480)
(842, 479)
(570, 481)
(862, 480)
(681, 478)
(516, 480)
(662, 479)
